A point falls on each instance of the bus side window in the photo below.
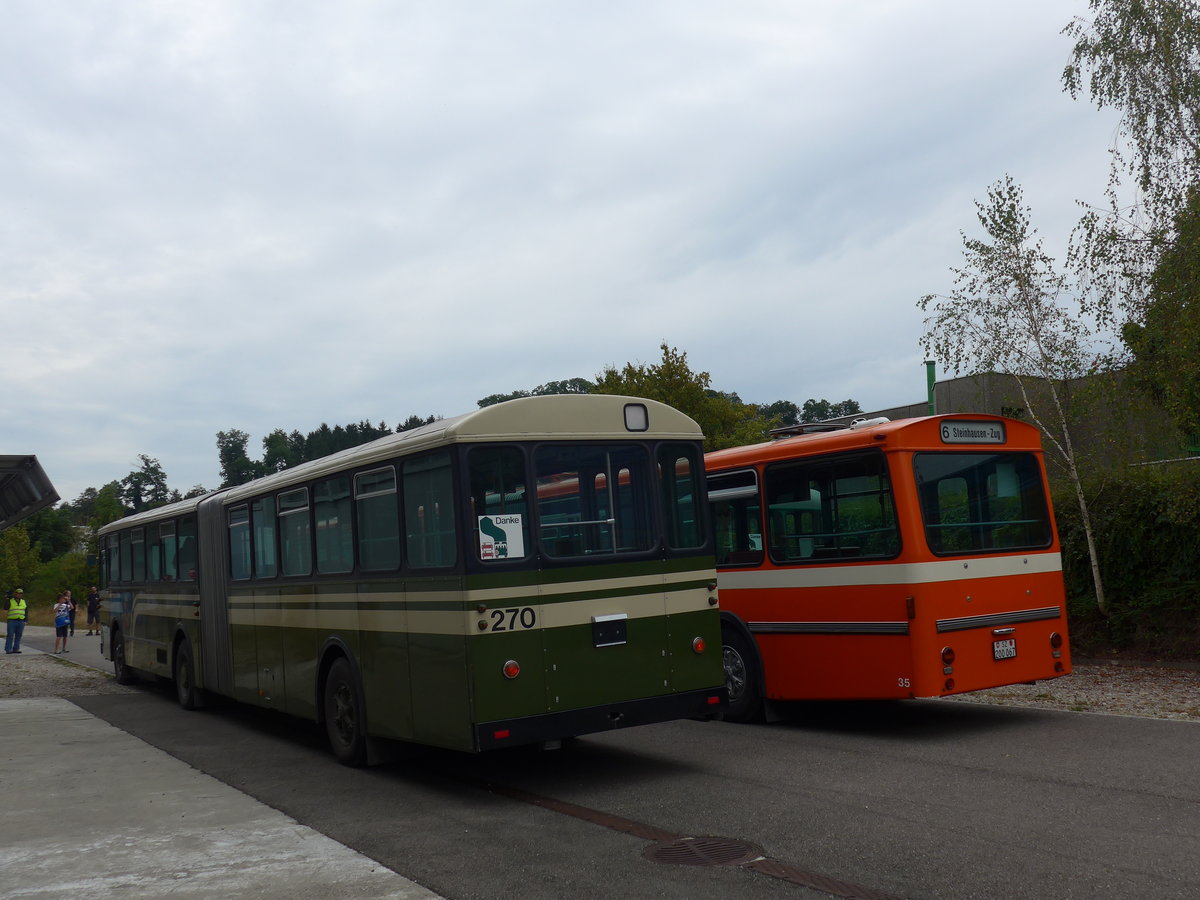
(831, 508)
(239, 542)
(737, 517)
(431, 539)
(378, 512)
(187, 548)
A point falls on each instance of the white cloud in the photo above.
(227, 215)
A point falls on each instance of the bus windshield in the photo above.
(972, 502)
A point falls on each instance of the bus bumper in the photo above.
(609, 717)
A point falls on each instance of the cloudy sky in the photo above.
(262, 215)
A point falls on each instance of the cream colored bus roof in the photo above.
(557, 416)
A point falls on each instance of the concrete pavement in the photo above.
(91, 811)
(83, 649)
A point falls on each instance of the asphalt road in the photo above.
(918, 799)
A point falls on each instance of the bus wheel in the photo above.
(344, 719)
(741, 678)
(123, 673)
(185, 679)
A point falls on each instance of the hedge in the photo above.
(1146, 520)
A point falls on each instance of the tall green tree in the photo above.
(236, 465)
(282, 450)
(1011, 312)
(19, 560)
(1166, 345)
(107, 506)
(51, 531)
(726, 421)
(145, 487)
(1142, 59)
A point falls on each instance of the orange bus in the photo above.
(915, 558)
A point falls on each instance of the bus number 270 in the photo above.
(513, 619)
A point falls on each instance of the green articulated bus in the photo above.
(530, 571)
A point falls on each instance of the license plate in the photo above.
(1006, 649)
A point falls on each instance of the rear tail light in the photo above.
(698, 645)
(1056, 641)
(948, 656)
(512, 669)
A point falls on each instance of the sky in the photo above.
(265, 214)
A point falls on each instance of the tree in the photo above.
(566, 386)
(107, 506)
(493, 399)
(84, 505)
(51, 531)
(787, 412)
(823, 410)
(1010, 312)
(414, 421)
(725, 420)
(282, 450)
(236, 466)
(1166, 345)
(1141, 58)
(145, 488)
(18, 558)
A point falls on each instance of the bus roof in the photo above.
(559, 416)
(922, 433)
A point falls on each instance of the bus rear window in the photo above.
(594, 500)
(976, 502)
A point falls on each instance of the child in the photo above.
(62, 623)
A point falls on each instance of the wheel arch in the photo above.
(732, 622)
(335, 648)
(180, 638)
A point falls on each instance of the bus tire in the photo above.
(185, 676)
(121, 670)
(741, 678)
(345, 714)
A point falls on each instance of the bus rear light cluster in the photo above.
(948, 658)
(697, 645)
(1056, 642)
(512, 669)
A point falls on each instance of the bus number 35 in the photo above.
(513, 619)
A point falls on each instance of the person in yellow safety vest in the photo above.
(16, 610)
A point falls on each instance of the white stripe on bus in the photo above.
(864, 574)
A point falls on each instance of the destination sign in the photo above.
(960, 432)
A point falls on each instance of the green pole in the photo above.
(930, 377)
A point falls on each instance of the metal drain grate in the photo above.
(703, 851)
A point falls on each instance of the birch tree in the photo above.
(1011, 311)
(1142, 59)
